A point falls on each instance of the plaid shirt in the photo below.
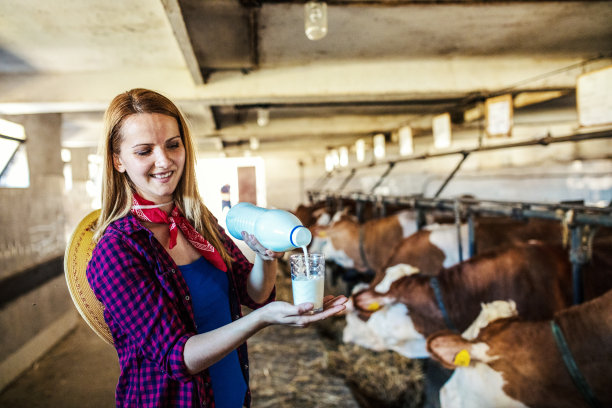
(149, 313)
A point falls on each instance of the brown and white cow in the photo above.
(362, 210)
(369, 245)
(536, 276)
(398, 313)
(436, 246)
(429, 250)
(380, 244)
(514, 363)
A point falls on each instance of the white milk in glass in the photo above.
(307, 279)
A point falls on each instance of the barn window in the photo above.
(14, 171)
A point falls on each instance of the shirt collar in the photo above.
(128, 224)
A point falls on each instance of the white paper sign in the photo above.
(594, 97)
(499, 115)
(442, 130)
(405, 141)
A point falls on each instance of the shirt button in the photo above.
(172, 271)
(187, 297)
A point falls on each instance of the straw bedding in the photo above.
(311, 367)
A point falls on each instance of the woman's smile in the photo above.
(164, 177)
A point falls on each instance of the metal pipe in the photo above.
(347, 179)
(383, 176)
(584, 215)
(543, 141)
(322, 181)
(452, 174)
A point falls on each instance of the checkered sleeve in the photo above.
(241, 267)
(138, 305)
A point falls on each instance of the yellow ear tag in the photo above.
(322, 234)
(374, 306)
(462, 358)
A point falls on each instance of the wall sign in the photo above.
(441, 126)
(594, 97)
(498, 114)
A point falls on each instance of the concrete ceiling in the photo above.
(382, 64)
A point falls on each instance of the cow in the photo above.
(428, 250)
(535, 275)
(517, 363)
(379, 244)
(354, 245)
(362, 210)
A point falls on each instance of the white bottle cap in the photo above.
(300, 236)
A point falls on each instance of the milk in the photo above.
(305, 249)
(308, 289)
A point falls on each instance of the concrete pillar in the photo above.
(36, 310)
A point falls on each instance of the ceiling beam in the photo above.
(175, 17)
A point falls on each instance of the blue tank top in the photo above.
(209, 288)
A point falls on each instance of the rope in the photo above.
(362, 250)
(572, 368)
(457, 213)
(435, 285)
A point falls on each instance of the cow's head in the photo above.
(340, 237)
(389, 328)
(369, 300)
(475, 382)
(378, 322)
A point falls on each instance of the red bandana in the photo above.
(148, 211)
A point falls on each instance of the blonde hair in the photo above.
(117, 188)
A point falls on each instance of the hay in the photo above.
(378, 379)
(288, 370)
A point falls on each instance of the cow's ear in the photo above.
(449, 349)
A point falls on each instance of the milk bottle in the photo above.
(277, 230)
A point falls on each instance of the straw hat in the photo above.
(77, 256)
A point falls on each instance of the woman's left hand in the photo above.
(264, 253)
(301, 315)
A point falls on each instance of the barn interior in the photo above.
(506, 101)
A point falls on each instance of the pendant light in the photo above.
(315, 20)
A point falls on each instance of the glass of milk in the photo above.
(308, 279)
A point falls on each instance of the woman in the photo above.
(171, 281)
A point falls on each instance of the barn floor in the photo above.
(290, 367)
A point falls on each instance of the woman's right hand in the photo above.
(285, 313)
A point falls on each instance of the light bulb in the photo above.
(315, 20)
(263, 117)
(254, 143)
